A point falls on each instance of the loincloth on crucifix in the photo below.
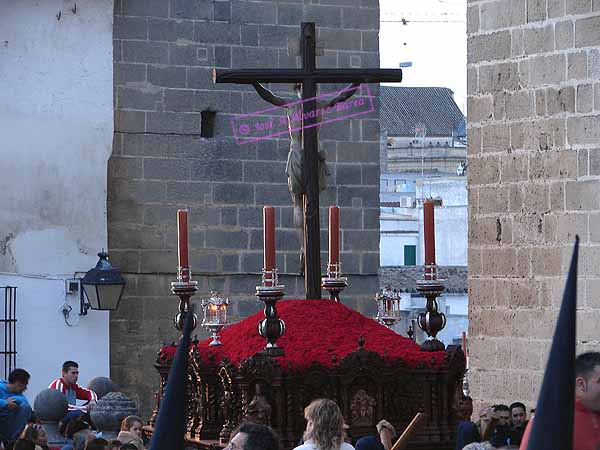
(293, 168)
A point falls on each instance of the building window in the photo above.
(410, 255)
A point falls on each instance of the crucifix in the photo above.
(306, 78)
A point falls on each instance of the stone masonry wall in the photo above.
(534, 182)
(164, 54)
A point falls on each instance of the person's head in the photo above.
(485, 418)
(70, 372)
(115, 444)
(97, 444)
(81, 438)
(133, 424)
(252, 436)
(35, 433)
(518, 416)
(587, 380)
(73, 426)
(23, 444)
(368, 443)
(324, 424)
(485, 415)
(18, 380)
(502, 413)
(464, 407)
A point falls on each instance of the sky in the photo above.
(434, 40)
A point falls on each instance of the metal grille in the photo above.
(9, 320)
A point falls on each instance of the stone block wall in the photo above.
(164, 54)
(534, 179)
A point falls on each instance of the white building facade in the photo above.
(56, 122)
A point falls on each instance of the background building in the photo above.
(56, 121)
(423, 156)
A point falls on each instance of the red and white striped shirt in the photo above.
(73, 393)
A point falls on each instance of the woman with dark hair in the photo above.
(131, 432)
(133, 424)
(324, 427)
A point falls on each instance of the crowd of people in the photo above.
(499, 426)
(508, 427)
(20, 428)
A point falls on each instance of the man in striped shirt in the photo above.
(67, 384)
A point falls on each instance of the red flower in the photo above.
(317, 331)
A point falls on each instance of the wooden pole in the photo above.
(402, 441)
(310, 169)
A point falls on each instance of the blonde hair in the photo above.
(328, 423)
(128, 422)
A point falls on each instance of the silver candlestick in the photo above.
(184, 288)
(334, 282)
(271, 327)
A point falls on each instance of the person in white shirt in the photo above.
(324, 427)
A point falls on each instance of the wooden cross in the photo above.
(308, 76)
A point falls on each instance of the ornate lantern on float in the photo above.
(388, 307)
(215, 316)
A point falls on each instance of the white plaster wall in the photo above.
(451, 220)
(391, 248)
(56, 123)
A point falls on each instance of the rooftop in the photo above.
(404, 108)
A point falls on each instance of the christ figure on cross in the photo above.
(305, 145)
(293, 167)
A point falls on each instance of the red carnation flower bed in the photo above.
(317, 331)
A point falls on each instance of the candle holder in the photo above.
(431, 321)
(271, 327)
(334, 282)
(388, 307)
(215, 316)
(184, 288)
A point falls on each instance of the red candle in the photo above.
(428, 219)
(269, 237)
(334, 235)
(182, 240)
